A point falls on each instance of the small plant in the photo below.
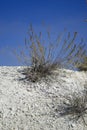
(75, 107)
(83, 65)
(43, 57)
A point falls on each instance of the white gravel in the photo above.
(31, 106)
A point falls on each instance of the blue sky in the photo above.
(16, 15)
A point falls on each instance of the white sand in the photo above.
(29, 106)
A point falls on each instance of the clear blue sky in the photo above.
(16, 15)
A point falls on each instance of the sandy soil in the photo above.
(31, 106)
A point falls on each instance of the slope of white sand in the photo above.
(31, 106)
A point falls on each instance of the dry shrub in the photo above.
(83, 65)
(44, 57)
(35, 74)
(74, 106)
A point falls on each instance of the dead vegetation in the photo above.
(74, 106)
(83, 65)
(42, 57)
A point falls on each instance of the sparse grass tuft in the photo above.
(83, 65)
(43, 57)
(36, 73)
(75, 107)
